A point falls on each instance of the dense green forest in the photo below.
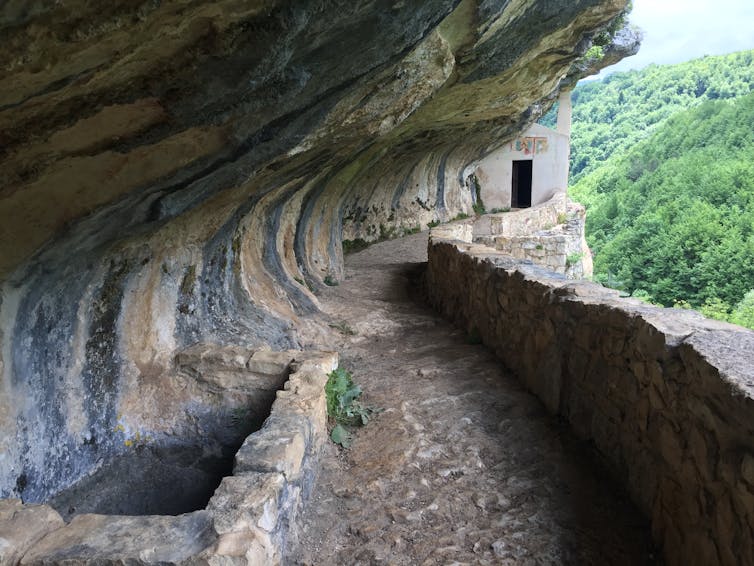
(613, 114)
(669, 183)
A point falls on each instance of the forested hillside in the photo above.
(612, 115)
(671, 218)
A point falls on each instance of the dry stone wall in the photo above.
(665, 395)
(550, 235)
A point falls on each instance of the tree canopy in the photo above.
(667, 176)
(612, 115)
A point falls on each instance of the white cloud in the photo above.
(681, 30)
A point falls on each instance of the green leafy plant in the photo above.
(387, 233)
(303, 283)
(433, 223)
(353, 246)
(461, 216)
(343, 406)
(499, 210)
(743, 313)
(595, 52)
(562, 217)
(330, 281)
(715, 308)
(343, 328)
(476, 190)
(573, 259)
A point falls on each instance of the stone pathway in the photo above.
(463, 466)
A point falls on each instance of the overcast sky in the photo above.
(681, 30)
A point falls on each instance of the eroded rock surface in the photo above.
(22, 526)
(107, 539)
(183, 172)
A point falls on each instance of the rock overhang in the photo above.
(178, 103)
(182, 173)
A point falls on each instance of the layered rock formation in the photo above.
(177, 172)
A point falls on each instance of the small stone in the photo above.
(279, 446)
(22, 526)
(247, 502)
(499, 548)
(270, 363)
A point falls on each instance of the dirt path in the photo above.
(463, 466)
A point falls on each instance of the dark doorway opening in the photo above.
(521, 189)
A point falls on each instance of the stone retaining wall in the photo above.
(247, 521)
(665, 395)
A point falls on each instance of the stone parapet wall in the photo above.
(550, 235)
(249, 519)
(522, 222)
(665, 395)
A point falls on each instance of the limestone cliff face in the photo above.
(177, 172)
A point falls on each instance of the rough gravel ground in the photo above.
(463, 466)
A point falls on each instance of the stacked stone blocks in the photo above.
(665, 395)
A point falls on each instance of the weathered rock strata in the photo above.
(174, 173)
(666, 395)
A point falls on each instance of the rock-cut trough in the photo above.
(462, 466)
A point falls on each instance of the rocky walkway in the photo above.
(463, 466)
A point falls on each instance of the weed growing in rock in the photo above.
(433, 224)
(330, 281)
(387, 233)
(461, 216)
(343, 407)
(499, 210)
(476, 189)
(343, 328)
(352, 246)
(573, 259)
(303, 283)
(415, 230)
(562, 218)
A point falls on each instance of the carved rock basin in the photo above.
(175, 475)
(138, 508)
